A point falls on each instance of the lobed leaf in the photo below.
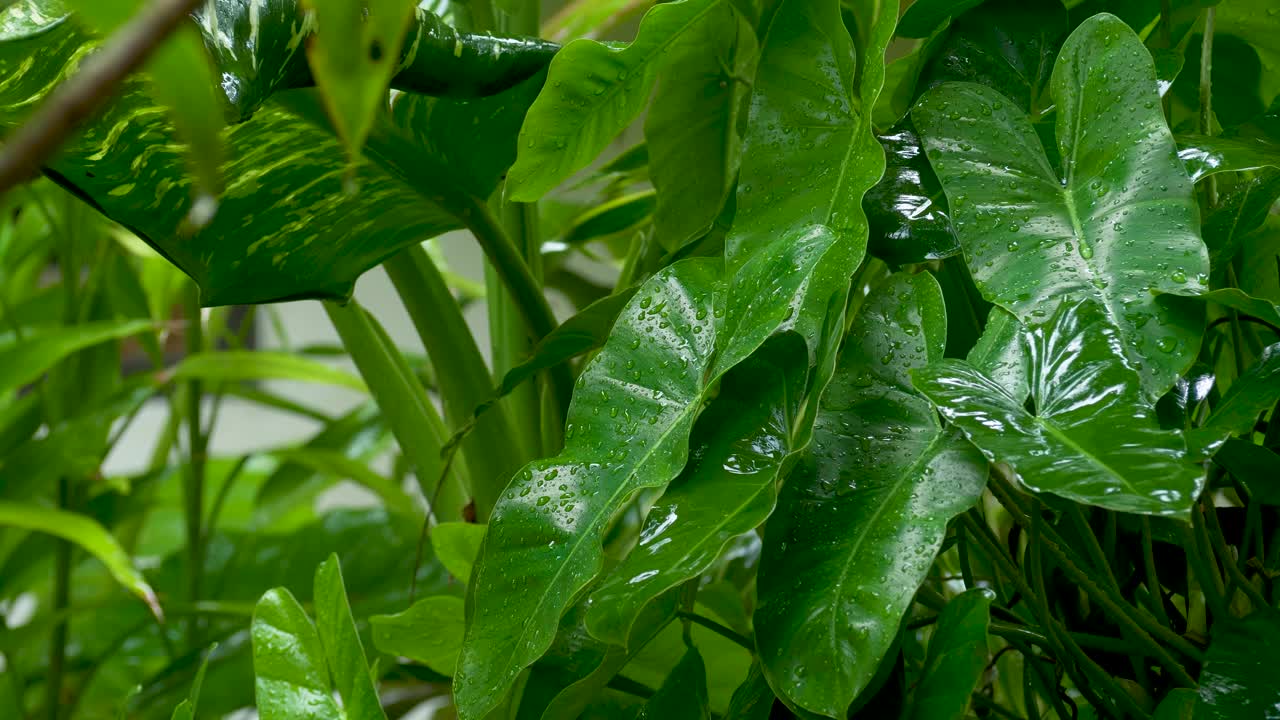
(1121, 223)
(860, 519)
(1092, 437)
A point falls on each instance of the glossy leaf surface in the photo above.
(1256, 466)
(292, 679)
(1092, 438)
(1121, 222)
(1253, 393)
(727, 488)
(1205, 156)
(859, 520)
(342, 648)
(684, 694)
(924, 16)
(1238, 681)
(957, 657)
(429, 632)
(593, 92)
(89, 536)
(907, 209)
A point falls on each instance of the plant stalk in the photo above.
(61, 602)
(1206, 93)
(197, 445)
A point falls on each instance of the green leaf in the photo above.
(1204, 156)
(1252, 394)
(1179, 704)
(1239, 681)
(429, 632)
(728, 488)
(337, 630)
(40, 349)
(683, 696)
(182, 77)
(1007, 45)
(692, 126)
(1122, 223)
(457, 545)
(1000, 353)
(253, 365)
(957, 658)
(286, 228)
(1255, 22)
(1256, 466)
(291, 678)
(593, 92)
(352, 56)
(753, 700)
(902, 79)
(907, 209)
(860, 519)
(89, 536)
(1237, 299)
(340, 465)
(186, 710)
(1092, 437)
(925, 16)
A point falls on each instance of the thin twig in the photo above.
(27, 148)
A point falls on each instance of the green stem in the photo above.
(61, 601)
(197, 445)
(1152, 578)
(717, 628)
(1092, 547)
(412, 417)
(1229, 563)
(1201, 557)
(1206, 92)
(490, 455)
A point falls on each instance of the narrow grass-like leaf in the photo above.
(89, 536)
(593, 91)
(1121, 223)
(252, 365)
(957, 657)
(186, 710)
(1092, 437)
(292, 679)
(345, 467)
(860, 519)
(429, 632)
(41, 349)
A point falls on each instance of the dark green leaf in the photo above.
(957, 658)
(1252, 394)
(1204, 156)
(925, 16)
(1256, 466)
(1237, 299)
(23, 361)
(907, 209)
(457, 544)
(1123, 222)
(593, 92)
(292, 680)
(683, 696)
(1092, 438)
(90, 536)
(1000, 353)
(902, 78)
(1257, 22)
(429, 632)
(859, 521)
(1239, 678)
(753, 700)
(1179, 704)
(728, 487)
(608, 218)
(691, 128)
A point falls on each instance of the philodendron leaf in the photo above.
(683, 696)
(353, 55)
(1253, 393)
(1256, 466)
(1121, 223)
(907, 209)
(90, 536)
(593, 92)
(1239, 680)
(692, 125)
(1237, 299)
(1205, 156)
(859, 520)
(342, 647)
(292, 679)
(729, 487)
(1000, 353)
(285, 228)
(429, 632)
(957, 657)
(924, 16)
(1092, 437)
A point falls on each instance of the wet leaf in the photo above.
(957, 658)
(457, 544)
(907, 209)
(1205, 156)
(1239, 681)
(1092, 437)
(859, 520)
(1253, 393)
(925, 16)
(1121, 223)
(292, 679)
(342, 647)
(429, 632)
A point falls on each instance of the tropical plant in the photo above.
(913, 361)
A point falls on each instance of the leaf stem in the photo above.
(718, 629)
(1151, 577)
(61, 601)
(197, 448)
(1206, 92)
(1219, 543)
(1202, 562)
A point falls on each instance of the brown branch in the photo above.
(27, 148)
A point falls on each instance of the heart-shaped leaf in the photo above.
(1122, 221)
(1092, 437)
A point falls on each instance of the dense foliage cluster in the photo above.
(936, 373)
